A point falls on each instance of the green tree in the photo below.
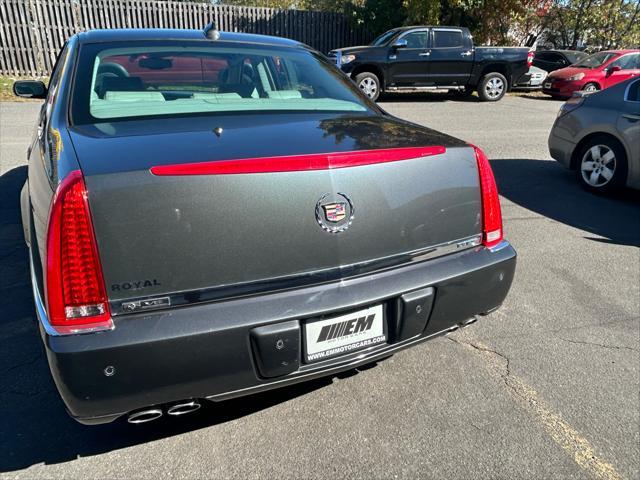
(598, 23)
(422, 12)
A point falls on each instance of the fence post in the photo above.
(76, 15)
(39, 54)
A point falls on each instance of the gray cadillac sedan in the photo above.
(598, 136)
(213, 214)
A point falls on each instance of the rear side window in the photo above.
(154, 79)
(447, 39)
(555, 58)
(633, 94)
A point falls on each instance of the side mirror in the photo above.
(401, 43)
(615, 68)
(29, 89)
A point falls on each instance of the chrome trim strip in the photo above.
(499, 246)
(338, 59)
(228, 292)
(41, 313)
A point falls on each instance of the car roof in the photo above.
(133, 34)
(620, 52)
(409, 27)
(565, 51)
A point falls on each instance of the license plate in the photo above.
(344, 334)
(547, 85)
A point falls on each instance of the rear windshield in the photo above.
(595, 60)
(574, 57)
(153, 79)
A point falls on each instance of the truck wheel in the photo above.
(369, 84)
(492, 87)
(602, 165)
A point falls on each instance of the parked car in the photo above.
(598, 136)
(425, 57)
(532, 80)
(203, 233)
(596, 72)
(552, 60)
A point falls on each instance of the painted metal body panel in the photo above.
(187, 233)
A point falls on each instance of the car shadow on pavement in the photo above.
(539, 97)
(426, 97)
(34, 427)
(545, 187)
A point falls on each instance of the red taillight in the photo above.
(76, 297)
(530, 56)
(491, 215)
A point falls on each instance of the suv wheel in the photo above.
(602, 165)
(492, 87)
(369, 84)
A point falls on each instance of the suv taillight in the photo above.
(76, 297)
(491, 214)
(530, 56)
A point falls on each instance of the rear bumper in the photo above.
(205, 351)
(560, 148)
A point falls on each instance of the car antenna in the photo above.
(211, 31)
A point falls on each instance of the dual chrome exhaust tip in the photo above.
(151, 414)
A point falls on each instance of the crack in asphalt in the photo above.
(507, 363)
(561, 432)
(20, 365)
(612, 347)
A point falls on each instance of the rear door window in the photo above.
(447, 39)
(633, 93)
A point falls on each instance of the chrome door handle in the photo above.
(465, 54)
(424, 54)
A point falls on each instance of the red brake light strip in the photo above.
(297, 163)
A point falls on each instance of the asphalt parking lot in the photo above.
(546, 387)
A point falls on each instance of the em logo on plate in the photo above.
(334, 212)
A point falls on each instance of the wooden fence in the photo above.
(32, 31)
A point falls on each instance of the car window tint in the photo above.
(555, 58)
(634, 92)
(596, 60)
(574, 57)
(416, 39)
(447, 39)
(626, 62)
(151, 80)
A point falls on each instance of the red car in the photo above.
(595, 72)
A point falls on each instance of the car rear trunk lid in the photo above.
(210, 236)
